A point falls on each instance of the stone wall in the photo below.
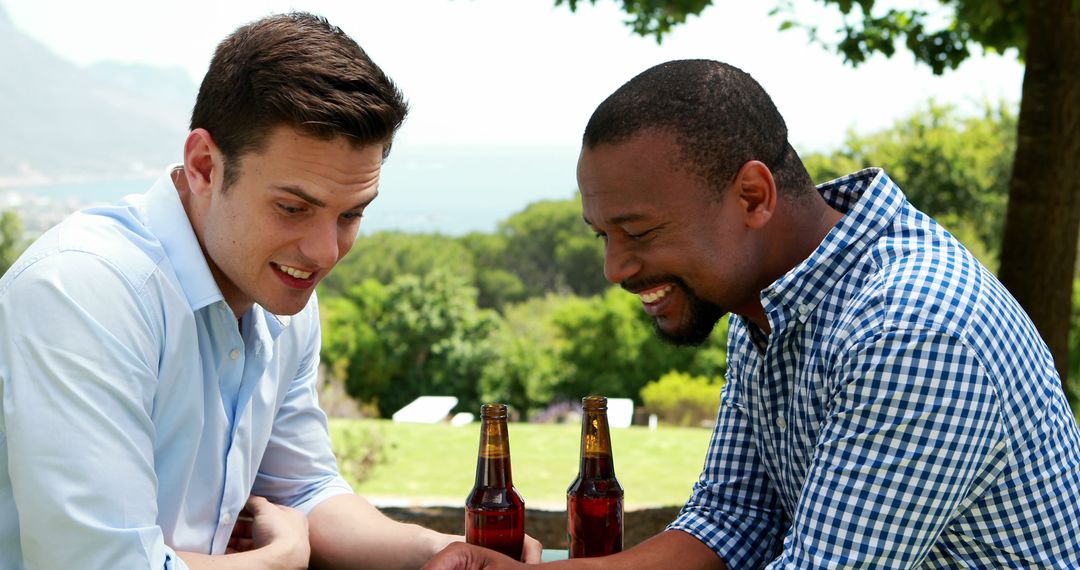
(549, 527)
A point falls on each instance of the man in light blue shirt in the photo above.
(158, 358)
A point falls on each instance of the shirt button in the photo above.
(226, 518)
(804, 310)
(234, 354)
(781, 423)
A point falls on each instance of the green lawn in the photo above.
(437, 463)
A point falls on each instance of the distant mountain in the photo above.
(62, 121)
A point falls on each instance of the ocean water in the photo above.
(427, 189)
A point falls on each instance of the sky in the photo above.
(524, 73)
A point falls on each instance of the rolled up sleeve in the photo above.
(733, 508)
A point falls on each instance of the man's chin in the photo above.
(689, 334)
(286, 307)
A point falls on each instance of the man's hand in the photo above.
(284, 528)
(461, 556)
(532, 550)
(266, 536)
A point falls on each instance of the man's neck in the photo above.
(802, 226)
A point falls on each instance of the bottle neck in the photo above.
(596, 459)
(493, 458)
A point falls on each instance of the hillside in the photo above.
(61, 120)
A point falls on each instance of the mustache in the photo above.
(637, 285)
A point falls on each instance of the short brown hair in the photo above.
(300, 71)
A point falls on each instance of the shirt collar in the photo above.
(168, 220)
(869, 200)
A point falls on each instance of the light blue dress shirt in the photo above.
(136, 416)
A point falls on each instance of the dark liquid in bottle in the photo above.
(595, 522)
(594, 501)
(494, 510)
(502, 531)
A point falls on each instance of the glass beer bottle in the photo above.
(494, 510)
(594, 501)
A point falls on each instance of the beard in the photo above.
(702, 315)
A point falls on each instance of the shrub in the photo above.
(358, 448)
(681, 399)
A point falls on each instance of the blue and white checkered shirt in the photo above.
(902, 413)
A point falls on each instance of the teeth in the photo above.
(654, 296)
(294, 272)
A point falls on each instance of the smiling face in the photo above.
(291, 215)
(684, 249)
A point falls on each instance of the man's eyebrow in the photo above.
(618, 220)
(299, 193)
(295, 191)
(625, 218)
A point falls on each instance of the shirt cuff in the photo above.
(333, 488)
(733, 545)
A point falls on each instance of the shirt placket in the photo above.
(231, 360)
(248, 363)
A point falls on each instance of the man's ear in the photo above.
(756, 189)
(203, 165)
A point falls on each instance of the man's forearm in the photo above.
(347, 532)
(669, 549)
(262, 558)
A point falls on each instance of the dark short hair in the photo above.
(299, 71)
(720, 116)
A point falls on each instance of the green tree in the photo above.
(11, 240)
(349, 330)
(954, 168)
(551, 250)
(525, 371)
(496, 286)
(682, 399)
(384, 256)
(606, 345)
(420, 335)
(1038, 253)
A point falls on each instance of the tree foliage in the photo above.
(955, 168)
(525, 371)
(681, 399)
(607, 346)
(939, 42)
(11, 240)
(652, 18)
(417, 336)
(550, 249)
(384, 256)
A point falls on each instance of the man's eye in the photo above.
(639, 235)
(352, 216)
(290, 209)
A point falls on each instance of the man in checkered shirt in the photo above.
(888, 404)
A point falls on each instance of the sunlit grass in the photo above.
(423, 463)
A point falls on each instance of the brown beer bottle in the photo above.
(494, 510)
(594, 501)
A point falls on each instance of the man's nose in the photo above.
(619, 264)
(320, 245)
